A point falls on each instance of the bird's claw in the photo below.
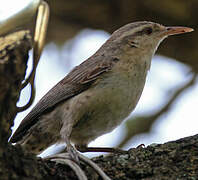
(73, 153)
(65, 158)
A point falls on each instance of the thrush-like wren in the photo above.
(97, 95)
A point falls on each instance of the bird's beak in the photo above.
(176, 30)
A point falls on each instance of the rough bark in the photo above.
(168, 161)
(13, 62)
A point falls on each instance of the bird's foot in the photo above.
(74, 155)
(65, 158)
(84, 148)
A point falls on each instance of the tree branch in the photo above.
(13, 63)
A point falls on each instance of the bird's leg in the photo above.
(84, 148)
(72, 157)
(65, 134)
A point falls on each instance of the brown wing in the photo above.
(74, 83)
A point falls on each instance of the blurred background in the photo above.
(167, 109)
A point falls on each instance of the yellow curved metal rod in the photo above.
(39, 37)
(40, 30)
(39, 41)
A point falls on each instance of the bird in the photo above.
(97, 95)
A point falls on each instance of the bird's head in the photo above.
(144, 36)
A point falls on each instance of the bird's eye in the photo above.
(145, 31)
(148, 31)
